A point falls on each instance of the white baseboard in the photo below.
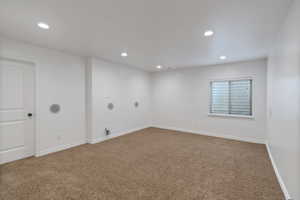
(231, 137)
(11, 155)
(59, 148)
(90, 141)
(114, 135)
(279, 178)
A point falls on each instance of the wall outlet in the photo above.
(107, 131)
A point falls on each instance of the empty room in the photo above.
(149, 100)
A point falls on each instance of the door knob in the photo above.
(29, 114)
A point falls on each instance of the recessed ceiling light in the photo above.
(124, 54)
(208, 33)
(223, 57)
(43, 25)
(158, 66)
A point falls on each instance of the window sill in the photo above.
(230, 116)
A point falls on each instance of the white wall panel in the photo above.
(284, 102)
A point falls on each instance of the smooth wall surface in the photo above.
(284, 102)
(181, 100)
(122, 86)
(59, 80)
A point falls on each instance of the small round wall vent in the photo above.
(110, 106)
(55, 108)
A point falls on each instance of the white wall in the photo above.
(284, 102)
(60, 79)
(122, 86)
(181, 100)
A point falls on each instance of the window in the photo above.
(231, 97)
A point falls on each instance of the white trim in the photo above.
(226, 136)
(88, 99)
(237, 78)
(279, 178)
(13, 155)
(59, 148)
(229, 115)
(90, 141)
(114, 135)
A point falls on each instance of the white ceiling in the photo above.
(153, 32)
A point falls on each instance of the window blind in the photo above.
(232, 97)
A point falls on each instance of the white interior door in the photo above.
(17, 133)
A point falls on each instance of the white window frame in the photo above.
(232, 115)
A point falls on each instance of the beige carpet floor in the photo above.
(151, 164)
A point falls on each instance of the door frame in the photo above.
(35, 88)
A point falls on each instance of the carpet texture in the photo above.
(151, 164)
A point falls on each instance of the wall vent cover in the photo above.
(55, 108)
(110, 106)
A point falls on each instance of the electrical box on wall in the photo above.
(107, 131)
